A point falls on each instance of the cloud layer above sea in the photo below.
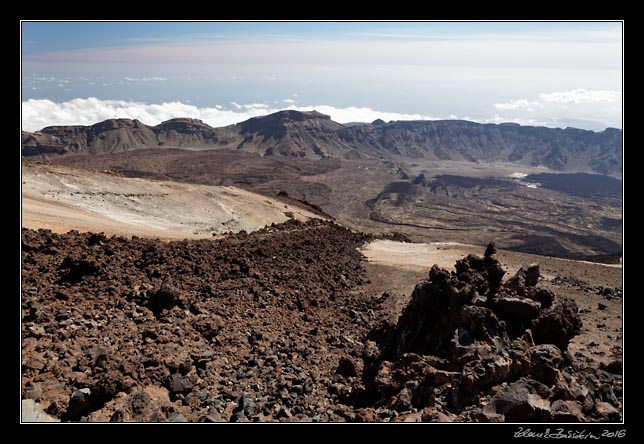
(40, 113)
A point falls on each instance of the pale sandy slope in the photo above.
(63, 199)
(415, 256)
(421, 256)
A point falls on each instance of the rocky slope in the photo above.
(286, 133)
(314, 135)
(250, 327)
(290, 133)
(117, 135)
(558, 149)
(276, 325)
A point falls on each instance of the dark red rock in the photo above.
(522, 402)
(347, 367)
(557, 324)
(545, 361)
(516, 308)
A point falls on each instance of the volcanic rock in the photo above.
(504, 352)
(314, 135)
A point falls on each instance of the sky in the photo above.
(555, 74)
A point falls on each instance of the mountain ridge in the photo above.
(314, 135)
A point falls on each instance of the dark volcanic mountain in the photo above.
(559, 149)
(288, 133)
(118, 135)
(314, 135)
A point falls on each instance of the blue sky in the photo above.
(554, 74)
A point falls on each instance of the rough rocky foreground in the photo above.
(274, 326)
(470, 347)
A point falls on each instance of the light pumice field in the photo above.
(415, 256)
(63, 199)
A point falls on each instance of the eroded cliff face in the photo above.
(314, 135)
(558, 149)
(116, 135)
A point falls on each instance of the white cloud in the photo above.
(518, 104)
(36, 79)
(581, 96)
(39, 113)
(580, 108)
(521, 121)
(288, 101)
(145, 79)
(253, 106)
(360, 114)
(44, 79)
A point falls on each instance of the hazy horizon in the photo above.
(555, 74)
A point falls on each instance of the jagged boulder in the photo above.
(557, 324)
(465, 335)
(523, 401)
(457, 309)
